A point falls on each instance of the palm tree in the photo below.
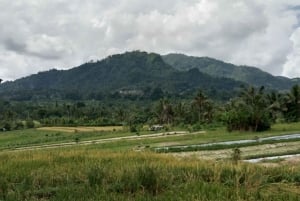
(120, 114)
(250, 111)
(198, 103)
(165, 112)
(203, 107)
(291, 111)
(180, 112)
(275, 104)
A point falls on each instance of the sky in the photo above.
(38, 35)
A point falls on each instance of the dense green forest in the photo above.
(142, 76)
(252, 109)
(135, 75)
(216, 68)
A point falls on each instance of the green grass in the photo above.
(111, 171)
(31, 137)
(291, 152)
(85, 174)
(219, 146)
(286, 127)
(275, 160)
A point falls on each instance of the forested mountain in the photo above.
(135, 74)
(250, 75)
(136, 88)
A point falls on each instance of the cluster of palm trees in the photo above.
(253, 110)
(291, 105)
(199, 110)
(250, 111)
(256, 110)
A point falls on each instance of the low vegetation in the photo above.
(82, 129)
(89, 174)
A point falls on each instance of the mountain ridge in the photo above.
(135, 70)
(217, 68)
(150, 74)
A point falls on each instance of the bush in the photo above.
(236, 155)
(133, 128)
(7, 126)
(19, 125)
(30, 124)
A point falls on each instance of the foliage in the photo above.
(83, 174)
(164, 112)
(132, 75)
(236, 155)
(291, 109)
(203, 107)
(251, 111)
(250, 75)
(254, 109)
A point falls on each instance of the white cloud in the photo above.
(292, 66)
(48, 47)
(38, 35)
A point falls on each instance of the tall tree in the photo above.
(203, 107)
(180, 112)
(165, 111)
(291, 111)
(251, 111)
(275, 100)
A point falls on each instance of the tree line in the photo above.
(253, 109)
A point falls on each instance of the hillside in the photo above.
(135, 73)
(216, 68)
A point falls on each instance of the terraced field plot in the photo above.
(82, 129)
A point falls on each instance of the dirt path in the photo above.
(89, 142)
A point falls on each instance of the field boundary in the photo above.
(99, 141)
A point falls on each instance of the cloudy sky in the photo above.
(38, 35)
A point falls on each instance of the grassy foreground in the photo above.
(79, 173)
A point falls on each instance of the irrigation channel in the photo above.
(236, 143)
(256, 160)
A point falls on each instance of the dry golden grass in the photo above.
(75, 173)
(82, 129)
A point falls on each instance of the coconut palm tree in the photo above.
(291, 111)
(276, 105)
(164, 112)
(203, 107)
(250, 111)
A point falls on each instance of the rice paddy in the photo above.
(128, 169)
(82, 129)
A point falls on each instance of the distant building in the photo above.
(131, 92)
(156, 127)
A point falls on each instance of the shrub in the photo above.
(133, 129)
(236, 155)
(30, 124)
